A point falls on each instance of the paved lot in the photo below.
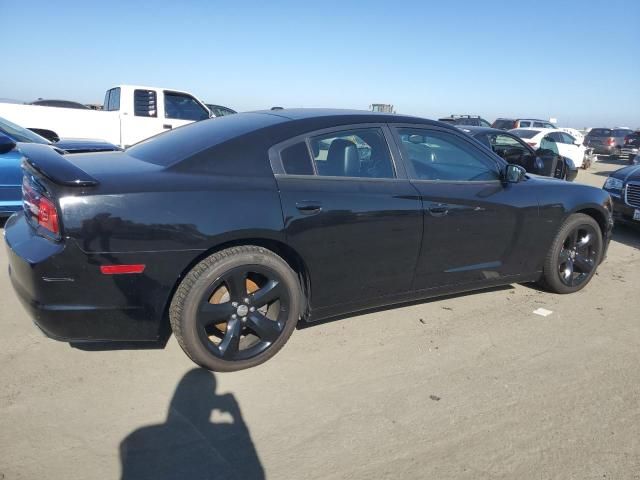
(474, 386)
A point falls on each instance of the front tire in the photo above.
(574, 255)
(236, 308)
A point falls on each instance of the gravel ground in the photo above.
(474, 386)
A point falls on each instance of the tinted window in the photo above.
(353, 153)
(183, 107)
(525, 123)
(438, 155)
(556, 137)
(600, 132)
(296, 160)
(621, 132)
(503, 124)
(145, 103)
(219, 111)
(484, 123)
(184, 142)
(525, 133)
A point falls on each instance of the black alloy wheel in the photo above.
(574, 255)
(578, 256)
(236, 308)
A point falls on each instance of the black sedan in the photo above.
(624, 187)
(546, 160)
(231, 230)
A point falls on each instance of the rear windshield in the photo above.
(600, 132)
(176, 145)
(503, 124)
(524, 133)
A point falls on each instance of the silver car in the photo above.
(607, 141)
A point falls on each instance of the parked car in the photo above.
(219, 110)
(545, 160)
(59, 104)
(11, 158)
(130, 114)
(568, 146)
(631, 146)
(607, 141)
(511, 123)
(470, 120)
(574, 132)
(624, 187)
(233, 229)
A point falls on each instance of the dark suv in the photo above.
(631, 146)
(607, 141)
(471, 120)
(511, 123)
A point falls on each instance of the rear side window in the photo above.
(525, 123)
(145, 103)
(621, 133)
(112, 100)
(183, 107)
(353, 153)
(296, 159)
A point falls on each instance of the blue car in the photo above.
(11, 136)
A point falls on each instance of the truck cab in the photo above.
(147, 111)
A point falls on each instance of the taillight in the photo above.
(39, 208)
(611, 141)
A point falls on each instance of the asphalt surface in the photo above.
(473, 387)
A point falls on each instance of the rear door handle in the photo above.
(167, 126)
(309, 207)
(438, 209)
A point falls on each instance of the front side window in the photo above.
(181, 106)
(436, 155)
(352, 153)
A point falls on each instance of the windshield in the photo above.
(19, 134)
(524, 133)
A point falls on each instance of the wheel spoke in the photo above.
(573, 239)
(564, 256)
(266, 295)
(214, 313)
(583, 264)
(268, 330)
(236, 282)
(230, 344)
(566, 270)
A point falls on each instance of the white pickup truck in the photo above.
(130, 113)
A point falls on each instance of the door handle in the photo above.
(309, 207)
(167, 126)
(438, 209)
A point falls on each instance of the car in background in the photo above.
(607, 141)
(511, 123)
(470, 120)
(624, 187)
(631, 146)
(12, 136)
(60, 104)
(574, 132)
(219, 110)
(546, 160)
(568, 146)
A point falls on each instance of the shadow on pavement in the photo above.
(203, 437)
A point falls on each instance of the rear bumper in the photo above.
(68, 298)
(603, 149)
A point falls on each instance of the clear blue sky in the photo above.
(577, 61)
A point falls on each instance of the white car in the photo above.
(575, 133)
(568, 146)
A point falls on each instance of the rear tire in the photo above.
(236, 308)
(574, 255)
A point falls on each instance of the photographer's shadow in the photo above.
(204, 437)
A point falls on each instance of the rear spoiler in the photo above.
(47, 161)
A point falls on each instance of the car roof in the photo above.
(359, 116)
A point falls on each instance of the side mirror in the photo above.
(6, 143)
(514, 173)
